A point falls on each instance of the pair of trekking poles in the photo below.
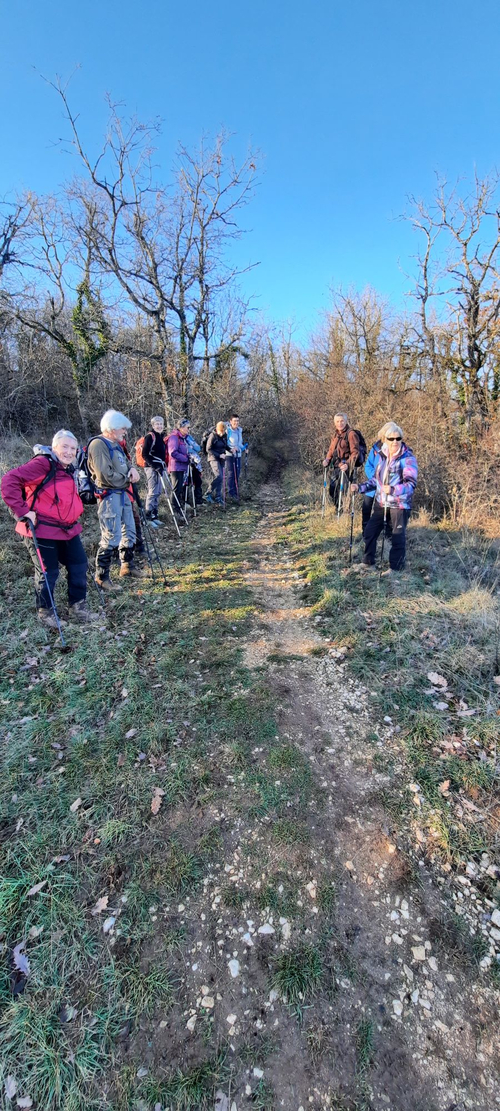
(343, 484)
(152, 556)
(344, 481)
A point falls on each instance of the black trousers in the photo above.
(366, 512)
(177, 480)
(398, 520)
(71, 554)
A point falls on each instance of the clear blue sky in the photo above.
(353, 104)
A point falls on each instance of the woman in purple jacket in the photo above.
(394, 481)
(178, 463)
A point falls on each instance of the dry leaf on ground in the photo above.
(74, 805)
(437, 680)
(100, 905)
(38, 887)
(10, 1087)
(20, 959)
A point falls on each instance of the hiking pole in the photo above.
(323, 496)
(224, 484)
(149, 538)
(236, 478)
(170, 506)
(64, 647)
(173, 495)
(190, 484)
(352, 530)
(341, 491)
(383, 540)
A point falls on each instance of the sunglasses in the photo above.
(391, 439)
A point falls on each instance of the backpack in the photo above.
(85, 484)
(204, 440)
(42, 449)
(363, 450)
(138, 448)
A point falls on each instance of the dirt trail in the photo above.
(434, 1030)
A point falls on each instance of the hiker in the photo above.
(393, 482)
(178, 463)
(44, 491)
(154, 455)
(344, 453)
(235, 443)
(370, 466)
(112, 475)
(217, 450)
(195, 468)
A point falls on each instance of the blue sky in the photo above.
(353, 105)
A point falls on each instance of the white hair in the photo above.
(61, 435)
(390, 427)
(112, 420)
(157, 418)
(342, 416)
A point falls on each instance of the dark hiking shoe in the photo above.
(46, 617)
(79, 611)
(107, 585)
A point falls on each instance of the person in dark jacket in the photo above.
(343, 453)
(54, 509)
(217, 451)
(153, 451)
(178, 463)
(394, 482)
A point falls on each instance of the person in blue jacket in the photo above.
(370, 466)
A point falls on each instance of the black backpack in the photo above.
(85, 484)
(363, 450)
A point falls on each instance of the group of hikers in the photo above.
(391, 477)
(47, 497)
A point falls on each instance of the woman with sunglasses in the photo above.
(394, 481)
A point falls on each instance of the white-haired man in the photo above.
(112, 474)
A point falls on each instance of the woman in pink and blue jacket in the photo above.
(394, 482)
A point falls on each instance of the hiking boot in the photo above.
(107, 585)
(46, 617)
(128, 571)
(80, 612)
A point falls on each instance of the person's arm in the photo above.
(371, 463)
(147, 449)
(353, 439)
(175, 449)
(100, 464)
(405, 488)
(14, 482)
(331, 451)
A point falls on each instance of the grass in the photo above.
(297, 975)
(444, 617)
(236, 837)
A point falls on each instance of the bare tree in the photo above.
(459, 267)
(49, 303)
(166, 247)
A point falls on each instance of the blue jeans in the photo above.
(154, 490)
(71, 554)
